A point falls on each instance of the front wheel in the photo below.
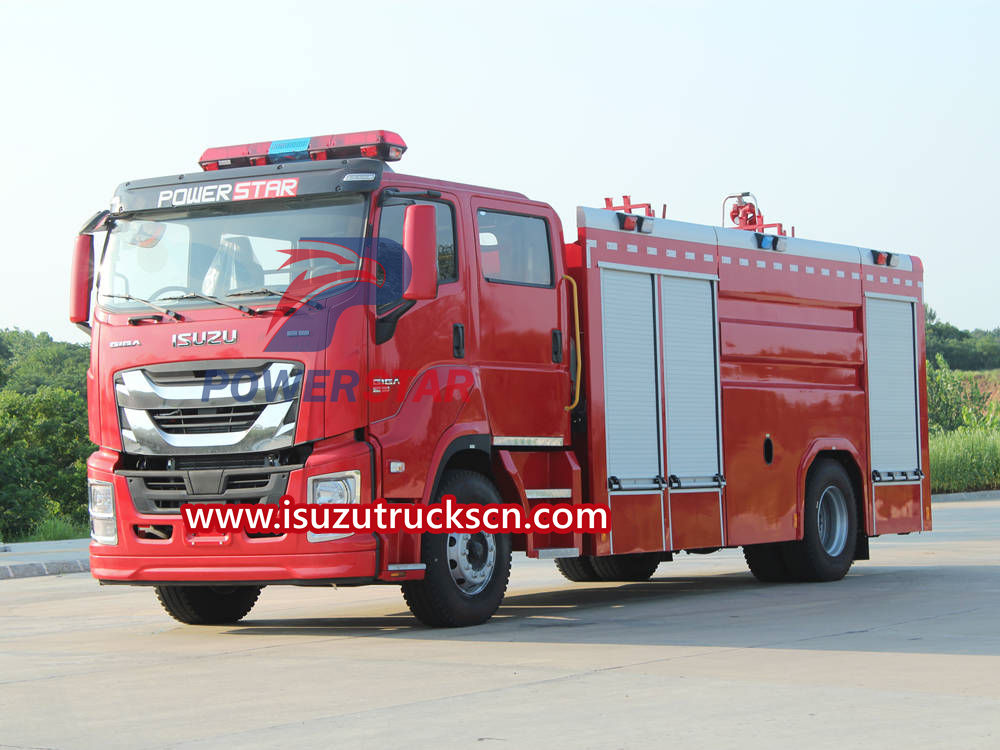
(830, 518)
(208, 605)
(466, 574)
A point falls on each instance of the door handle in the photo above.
(458, 341)
(557, 347)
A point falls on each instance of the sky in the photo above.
(866, 123)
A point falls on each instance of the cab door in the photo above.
(522, 341)
(418, 374)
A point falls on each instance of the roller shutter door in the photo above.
(630, 378)
(892, 385)
(692, 380)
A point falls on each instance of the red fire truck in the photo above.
(709, 387)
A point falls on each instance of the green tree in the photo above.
(5, 357)
(965, 350)
(954, 401)
(43, 453)
(31, 361)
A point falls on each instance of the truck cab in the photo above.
(299, 321)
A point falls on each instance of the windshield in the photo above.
(187, 256)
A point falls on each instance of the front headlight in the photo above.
(334, 489)
(342, 488)
(101, 504)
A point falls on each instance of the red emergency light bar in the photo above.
(374, 144)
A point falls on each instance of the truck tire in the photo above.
(767, 563)
(208, 605)
(635, 567)
(830, 527)
(466, 574)
(577, 569)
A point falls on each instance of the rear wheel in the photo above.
(577, 569)
(826, 550)
(466, 574)
(208, 605)
(767, 563)
(636, 567)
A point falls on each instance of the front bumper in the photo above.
(232, 557)
(341, 568)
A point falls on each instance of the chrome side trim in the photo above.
(545, 554)
(548, 494)
(406, 566)
(539, 442)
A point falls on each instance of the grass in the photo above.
(53, 529)
(965, 460)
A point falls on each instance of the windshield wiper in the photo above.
(216, 300)
(263, 290)
(165, 311)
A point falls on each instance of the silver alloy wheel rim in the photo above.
(831, 520)
(471, 561)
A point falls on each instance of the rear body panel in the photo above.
(799, 372)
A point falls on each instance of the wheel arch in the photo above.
(844, 453)
(470, 451)
(474, 452)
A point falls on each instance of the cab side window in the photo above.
(390, 255)
(514, 249)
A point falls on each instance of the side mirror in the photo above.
(420, 246)
(82, 279)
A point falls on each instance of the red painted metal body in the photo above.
(792, 367)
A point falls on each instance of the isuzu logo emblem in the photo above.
(201, 338)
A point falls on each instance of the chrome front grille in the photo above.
(192, 407)
(194, 373)
(193, 421)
